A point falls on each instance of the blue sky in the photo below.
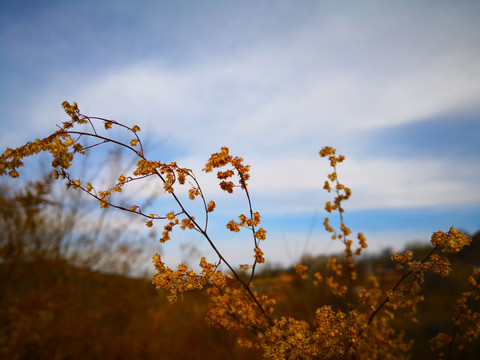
(395, 86)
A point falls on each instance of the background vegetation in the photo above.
(54, 307)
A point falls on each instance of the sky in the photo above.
(394, 86)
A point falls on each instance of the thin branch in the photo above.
(387, 299)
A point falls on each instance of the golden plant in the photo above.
(361, 327)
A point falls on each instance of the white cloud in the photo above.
(294, 185)
(277, 100)
(293, 91)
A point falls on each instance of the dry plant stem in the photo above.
(242, 180)
(95, 196)
(254, 328)
(387, 299)
(220, 256)
(450, 345)
(203, 200)
(88, 118)
(108, 140)
(340, 212)
(455, 327)
(183, 210)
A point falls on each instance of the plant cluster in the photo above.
(360, 328)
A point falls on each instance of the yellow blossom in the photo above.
(233, 226)
(211, 206)
(259, 255)
(261, 234)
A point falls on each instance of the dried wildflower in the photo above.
(233, 226)
(193, 193)
(451, 242)
(259, 255)
(211, 206)
(361, 330)
(261, 234)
